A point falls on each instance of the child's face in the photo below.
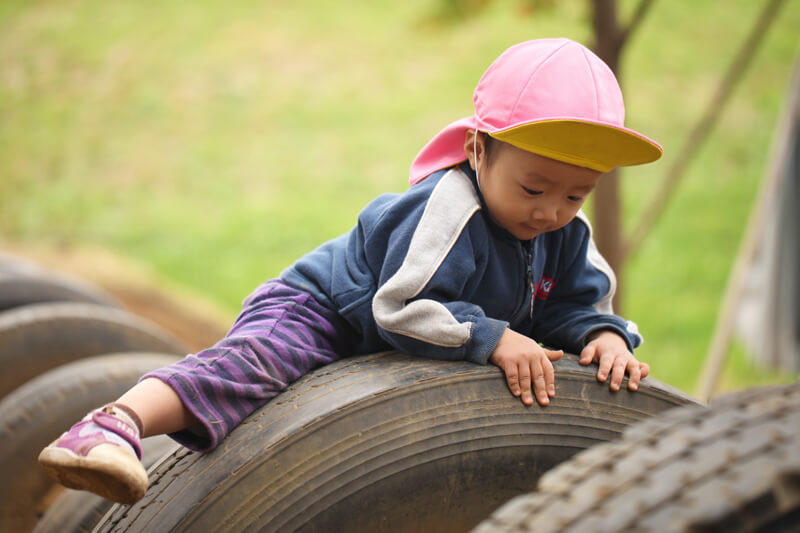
(528, 194)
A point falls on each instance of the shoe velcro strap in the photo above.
(119, 427)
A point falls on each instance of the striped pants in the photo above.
(281, 334)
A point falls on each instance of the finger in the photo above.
(525, 384)
(539, 385)
(588, 353)
(634, 374)
(553, 355)
(618, 372)
(644, 368)
(605, 367)
(512, 378)
(549, 378)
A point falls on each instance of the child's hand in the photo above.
(611, 353)
(524, 363)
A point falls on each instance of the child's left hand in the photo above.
(610, 352)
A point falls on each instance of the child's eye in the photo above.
(531, 192)
(575, 198)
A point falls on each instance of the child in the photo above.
(485, 256)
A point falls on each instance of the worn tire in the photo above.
(386, 442)
(35, 414)
(38, 287)
(16, 264)
(24, 282)
(36, 338)
(733, 467)
(76, 511)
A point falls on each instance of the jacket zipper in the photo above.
(526, 255)
(530, 277)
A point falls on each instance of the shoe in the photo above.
(101, 454)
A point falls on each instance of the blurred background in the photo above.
(198, 148)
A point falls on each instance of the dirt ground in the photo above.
(195, 320)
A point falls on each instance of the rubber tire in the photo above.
(76, 511)
(386, 442)
(36, 338)
(16, 264)
(732, 467)
(18, 289)
(38, 412)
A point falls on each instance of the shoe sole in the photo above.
(106, 476)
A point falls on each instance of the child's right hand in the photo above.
(525, 363)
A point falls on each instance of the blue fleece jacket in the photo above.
(428, 272)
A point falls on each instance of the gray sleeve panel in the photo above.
(599, 262)
(451, 205)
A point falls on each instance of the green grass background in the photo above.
(217, 141)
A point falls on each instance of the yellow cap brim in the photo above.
(586, 144)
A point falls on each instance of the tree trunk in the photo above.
(607, 228)
(609, 39)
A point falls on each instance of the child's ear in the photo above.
(473, 149)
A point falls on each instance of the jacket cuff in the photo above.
(629, 334)
(485, 335)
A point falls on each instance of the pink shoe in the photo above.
(100, 454)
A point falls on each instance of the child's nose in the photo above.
(546, 213)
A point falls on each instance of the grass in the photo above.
(218, 141)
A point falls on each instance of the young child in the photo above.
(483, 258)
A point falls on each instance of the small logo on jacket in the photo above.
(544, 287)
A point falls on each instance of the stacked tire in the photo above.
(733, 467)
(66, 347)
(386, 442)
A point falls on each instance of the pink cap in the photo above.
(552, 97)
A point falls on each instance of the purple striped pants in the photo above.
(281, 334)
